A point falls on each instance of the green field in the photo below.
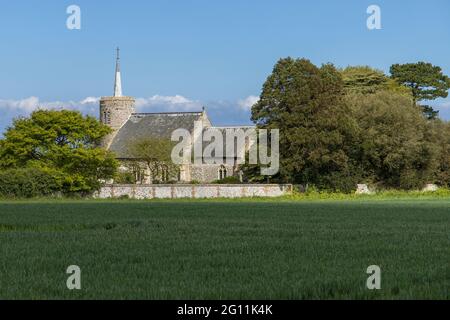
(225, 249)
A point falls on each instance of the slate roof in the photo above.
(161, 125)
(142, 125)
(223, 131)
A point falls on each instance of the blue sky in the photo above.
(180, 55)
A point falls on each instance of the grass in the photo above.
(311, 195)
(441, 194)
(225, 249)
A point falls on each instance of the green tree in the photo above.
(252, 172)
(316, 127)
(156, 153)
(429, 112)
(396, 144)
(439, 133)
(65, 141)
(427, 82)
(366, 80)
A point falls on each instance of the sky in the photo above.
(179, 55)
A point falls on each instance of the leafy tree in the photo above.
(252, 172)
(427, 82)
(65, 141)
(316, 127)
(340, 128)
(366, 80)
(439, 134)
(395, 146)
(156, 153)
(429, 112)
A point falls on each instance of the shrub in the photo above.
(125, 178)
(30, 182)
(228, 180)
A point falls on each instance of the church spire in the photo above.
(118, 80)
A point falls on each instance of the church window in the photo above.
(108, 117)
(139, 174)
(222, 174)
(165, 173)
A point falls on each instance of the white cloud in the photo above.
(221, 112)
(89, 104)
(24, 105)
(170, 103)
(10, 109)
(90, 100)
(248, 102)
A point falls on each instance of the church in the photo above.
(118, 112)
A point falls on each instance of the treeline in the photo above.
(339, 128)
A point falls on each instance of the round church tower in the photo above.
(116, 110)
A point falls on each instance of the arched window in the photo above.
(106, 117)
(139, 174)
(222, 174)
(164, 173)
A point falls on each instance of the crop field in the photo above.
(225, 249)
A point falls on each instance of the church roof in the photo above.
(143, 125)
(223, 133)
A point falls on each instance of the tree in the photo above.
(429, 112)
(396, 145)
(440, 135)
(316, 127)
(63, 141)
(156, 153)
(366, 80)
(252, 172)
(427, 82)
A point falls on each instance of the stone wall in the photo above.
(193, 191)
(206, 173)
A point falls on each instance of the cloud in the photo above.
(156, 103)
(168, 103)
(90, 100)
(28, 105)
(24, 105)
(11, 109)
(221, 112)
(248, 102)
